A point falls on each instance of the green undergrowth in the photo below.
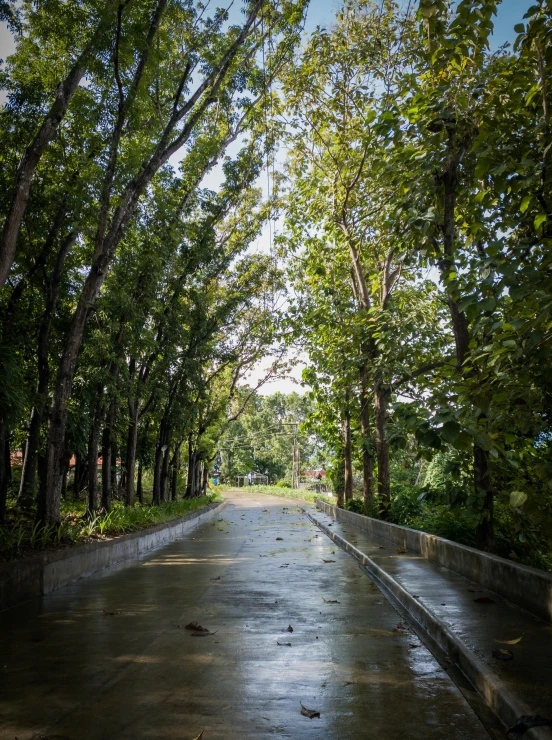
(292, 493)
(22, 536)
(513, 540)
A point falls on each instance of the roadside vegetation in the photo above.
(24, 536)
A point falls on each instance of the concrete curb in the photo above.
(502, 702)
(529, 588)
(22, 580)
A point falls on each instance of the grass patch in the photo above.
(292, 493)
(24, 537)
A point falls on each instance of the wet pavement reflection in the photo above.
(70, 670)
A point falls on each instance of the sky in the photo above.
(321, 13)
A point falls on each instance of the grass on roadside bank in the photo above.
(22, 536)
(293, 493)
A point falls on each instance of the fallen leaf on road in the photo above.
(216, 579)
(400, 551)
(283, 644)
(349, 683)
(290, 628)
(330, 601)
(109, 614)
(503, 654)
(310, 713)
(484, 600)
(195, 627)
(279, 538)
(414, 646)
(509, 642)
(401, 626)
(380, 547)
(203, 633)
(200, 735)
(328, 561)
(525, 723)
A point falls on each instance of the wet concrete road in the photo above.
(70, 672)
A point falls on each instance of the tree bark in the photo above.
(132, 439)
(347, 449)
(93, 443)
(165, 474)
(175, 471)
(28, 476)
(4, 468)
(196, 106)
(367, 456)
(382, 445)
(107, 456)
(157, 475)
(484, 533)
(139, 487)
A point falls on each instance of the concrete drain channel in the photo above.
(497, 708)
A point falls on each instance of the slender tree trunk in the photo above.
(65, 473)
(4, 467)
(165, 475)
(484, 534)
(191, 469)
(367, 456)
(77, 476)
(340, 483)
(132, 439)
(347, 449)
(205, 478)
(175, 471)
(93, 443)
(382, 445)
(169, 143)
(139, 487)
(157, 475)
(28, 476)
(107, 456)
(35, 150)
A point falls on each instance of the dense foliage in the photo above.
(419, 225)
(131, 304)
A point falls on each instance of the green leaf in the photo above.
(517, 499)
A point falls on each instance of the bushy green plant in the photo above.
(356, 505)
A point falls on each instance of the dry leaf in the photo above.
(109, 614)
(290, 628)
(283, 644)
(525, 723)
(196, 627)
(203, 633)
(216, 579)
(484, 600)
(279, 538)
(328, 561)
(310, 713)
(413, 646)
(200, 735)
(330, 601)
(503, 654)
(400, 551)
(509, 642)
(401, 626)
(350, 683)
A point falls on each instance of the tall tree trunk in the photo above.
(484, 534)
(175, 471)
(132, 438)
(340, 482)
(382, 445)
(169, 143)
(157, 475)
(107, 456)
(77, 475)
(205, 478)
(139, 487)
(165, 476)
(65, 472)
(191, 469)
(28, 476)
(4, 468)
(33, 154)
(93, 443)
(347, 449)
(367, 456)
